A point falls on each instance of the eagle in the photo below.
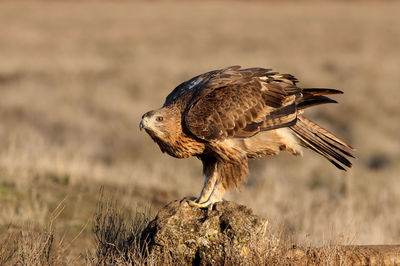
(226, 116)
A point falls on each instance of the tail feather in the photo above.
(323, 142)
(328, 134)
(314, 96)
(321, 91)
(309, 100)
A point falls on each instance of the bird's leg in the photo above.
(208, 187)
(212, 190)
(211, 174)
(215, 195)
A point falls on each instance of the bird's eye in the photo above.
(159, 118)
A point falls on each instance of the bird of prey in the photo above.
(225, 116)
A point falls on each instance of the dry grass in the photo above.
(34, 245)
(120, 241)
(118, 235)
(76, 77)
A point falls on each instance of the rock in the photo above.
(230, 234)
(345, 255)
(191, 235)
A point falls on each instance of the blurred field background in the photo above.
(75, 78)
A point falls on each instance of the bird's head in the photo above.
(154, 122)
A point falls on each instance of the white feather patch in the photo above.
(290, 141)
(195, 83)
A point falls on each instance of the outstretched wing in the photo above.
(241, 103)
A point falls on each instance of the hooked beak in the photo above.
(143, 123)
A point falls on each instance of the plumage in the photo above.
(226, 116)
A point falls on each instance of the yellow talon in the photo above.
(194, 203)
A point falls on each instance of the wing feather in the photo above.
(235, 102)
(246, 102)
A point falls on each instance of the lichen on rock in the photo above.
(192, 235)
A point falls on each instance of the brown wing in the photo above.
(252, 101)
(205, 82)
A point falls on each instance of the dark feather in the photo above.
(280, 125)
(316, 140)
(321, 91)
(309, 100)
